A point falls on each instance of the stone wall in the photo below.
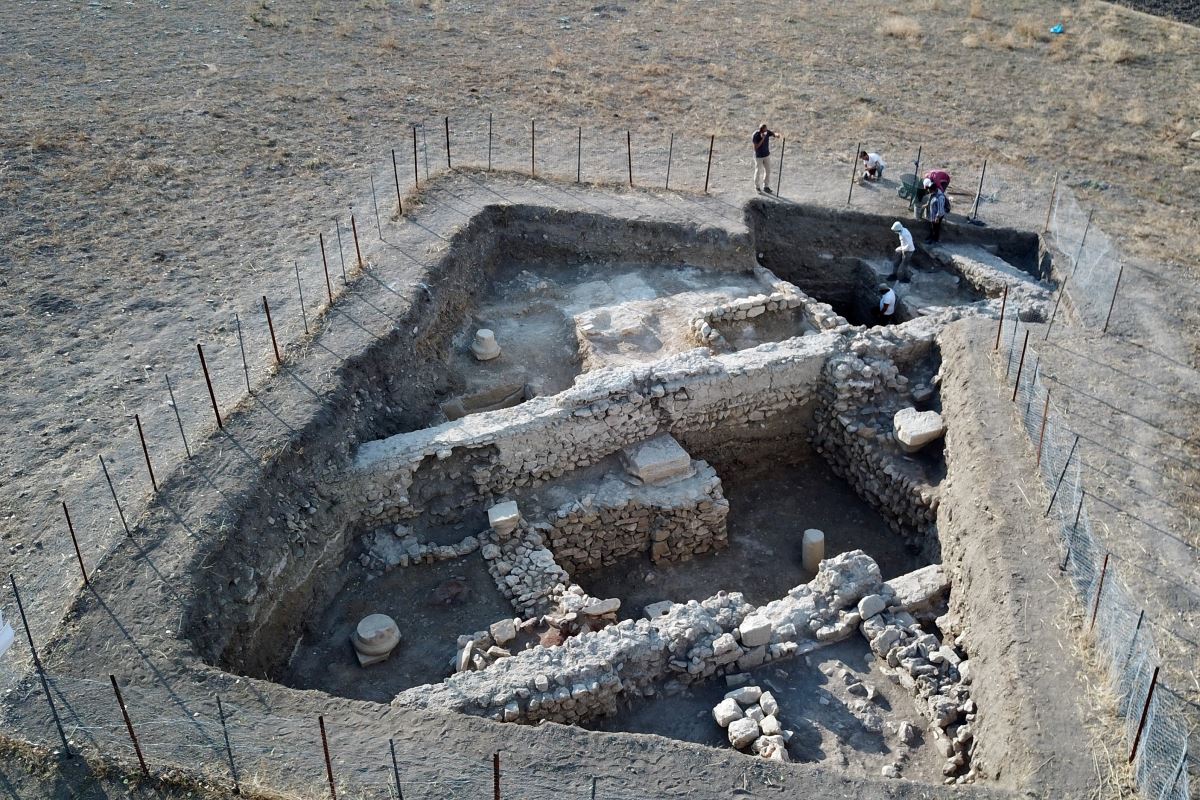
(583, 677)
(853, 427)
(471, 461)
(614, 520)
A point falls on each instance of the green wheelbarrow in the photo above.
(913, 191)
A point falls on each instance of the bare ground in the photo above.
(162, 167)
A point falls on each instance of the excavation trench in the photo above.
(748, 359)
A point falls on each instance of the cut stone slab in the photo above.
(503, 518)
(755, 631)
(742, 733)
(599, 608)
(915, 429)
(919, 589)
(726, 712)
(657, 461)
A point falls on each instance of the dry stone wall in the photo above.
(482, 456)
(853, 427)
(614, 520)
(585, 676)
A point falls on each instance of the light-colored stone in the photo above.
(374, 638)
(871, 605)
(745, 695)
(504, 517)
(755, 631)
(915, 429)
(503, 631)
(484, 346)
(918, 589)
(812, 549)
(658, 609)
(770, 726)
(742, 733)
(727, 711)
(768, 704)
(657, 461)
(600, 608)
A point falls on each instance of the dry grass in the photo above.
(976, 10)
(1116, 51)
(1136, 115)
(344, 29)
(557, 58)
(1031, 30)
(390, 41)
(902, 28)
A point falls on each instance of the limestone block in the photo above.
(871, 605)
(504, 517)
(755, 630)
(919, 589)
(657, 461)
(768, 704)
(726, 712)
(743, 732)
(770, 726)
(503, 631)
(599, 608)
(915, 429)
(745, 695)
(772, 748)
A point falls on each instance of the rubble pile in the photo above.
(750, 718)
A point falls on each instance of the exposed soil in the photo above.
(433, 604)
(812, 703)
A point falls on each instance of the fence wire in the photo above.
(1154, 717)
(1093, 260)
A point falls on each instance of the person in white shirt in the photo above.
(903, 269)
(887, 304)
(872, 166)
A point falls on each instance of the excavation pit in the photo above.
(782, 406)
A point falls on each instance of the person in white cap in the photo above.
(887, 304)
(903, 269)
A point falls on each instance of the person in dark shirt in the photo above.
(762, 159)
(936, 210)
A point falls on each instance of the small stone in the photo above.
(768, 704)
(871, 605)
(726, 712)
(908, 733)
(746, 695)
(503, 631)
(742, 733)
(890, 771)
(770, 726)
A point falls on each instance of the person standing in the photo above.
(762, 159)
(887, 304)
(872, 166)
(903, 269)
(936, 212)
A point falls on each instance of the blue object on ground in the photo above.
(1057, 28)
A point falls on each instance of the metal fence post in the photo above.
(1137, 739)
(1099, 591)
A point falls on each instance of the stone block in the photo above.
(374, 639)
(871, 605)
(726, 712)
(919, 589)
(504, 517)
(915, 429)
(768, 704)
(770, 726)
(503, 631)
(743, 732)
(755, 630)
(657, 461)
(659, 609)
(745, 695)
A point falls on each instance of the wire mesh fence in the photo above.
(1093, 261)
(1155, 718)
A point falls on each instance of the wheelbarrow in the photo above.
(912, 190)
